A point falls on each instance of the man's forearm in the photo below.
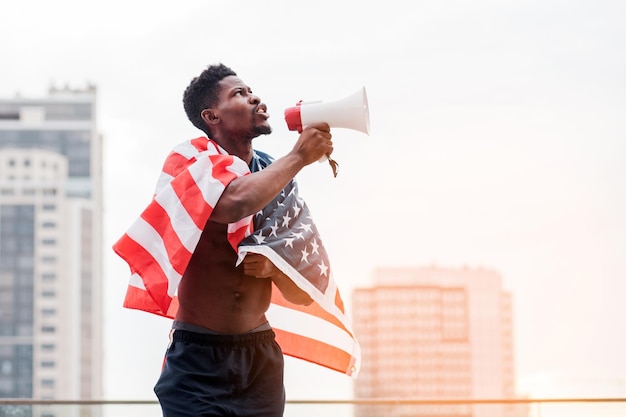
(248, 194)
(290, 290)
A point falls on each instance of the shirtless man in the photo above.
(223, 359)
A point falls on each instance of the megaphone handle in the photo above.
(333, 164)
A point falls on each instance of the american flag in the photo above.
(159, 245)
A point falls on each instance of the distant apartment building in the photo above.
(50, 248)
(435, 333)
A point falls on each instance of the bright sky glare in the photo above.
(497, 140)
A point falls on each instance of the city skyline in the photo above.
(496, 141)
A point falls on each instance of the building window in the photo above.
(48, 259)
(48, 347)
(48, 293)
(48, 277)
(48, 329)
(47, 383)
(6, 367)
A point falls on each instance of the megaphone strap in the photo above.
(334, 165)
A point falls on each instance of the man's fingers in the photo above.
(256, 265)
(323, 127)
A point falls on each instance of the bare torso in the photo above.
(216, 295)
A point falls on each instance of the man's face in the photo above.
(241, 113)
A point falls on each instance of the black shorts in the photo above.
(207, 375)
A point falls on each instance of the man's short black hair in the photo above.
(201, 94)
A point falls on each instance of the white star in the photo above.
(289, 242)
(286, 219)
(305, 226)
(259, 238)
(305, 256)
(296, 210)
(298, 235)
(323, 268)
(315, 246)
(274, 229)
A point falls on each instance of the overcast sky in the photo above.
(497, 141)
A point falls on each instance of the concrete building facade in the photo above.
(51, 247)
(435, 333)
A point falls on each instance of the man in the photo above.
(223, 359)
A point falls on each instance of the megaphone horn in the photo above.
(351, 112)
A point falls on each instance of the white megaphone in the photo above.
(351, 112)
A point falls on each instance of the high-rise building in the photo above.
(50, 247)
(435, 333)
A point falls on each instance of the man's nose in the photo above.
(254, 99)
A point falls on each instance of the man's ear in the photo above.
(209, 117)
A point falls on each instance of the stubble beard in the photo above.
(261, 130)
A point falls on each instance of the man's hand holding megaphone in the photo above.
(314, 144)
(351, 112)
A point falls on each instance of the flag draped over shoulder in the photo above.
(159, 245)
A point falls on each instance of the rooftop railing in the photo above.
(365, 407)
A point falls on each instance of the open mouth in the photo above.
(262, 109)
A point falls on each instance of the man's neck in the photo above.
(242, 149)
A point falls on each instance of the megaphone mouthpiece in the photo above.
(293, 117)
